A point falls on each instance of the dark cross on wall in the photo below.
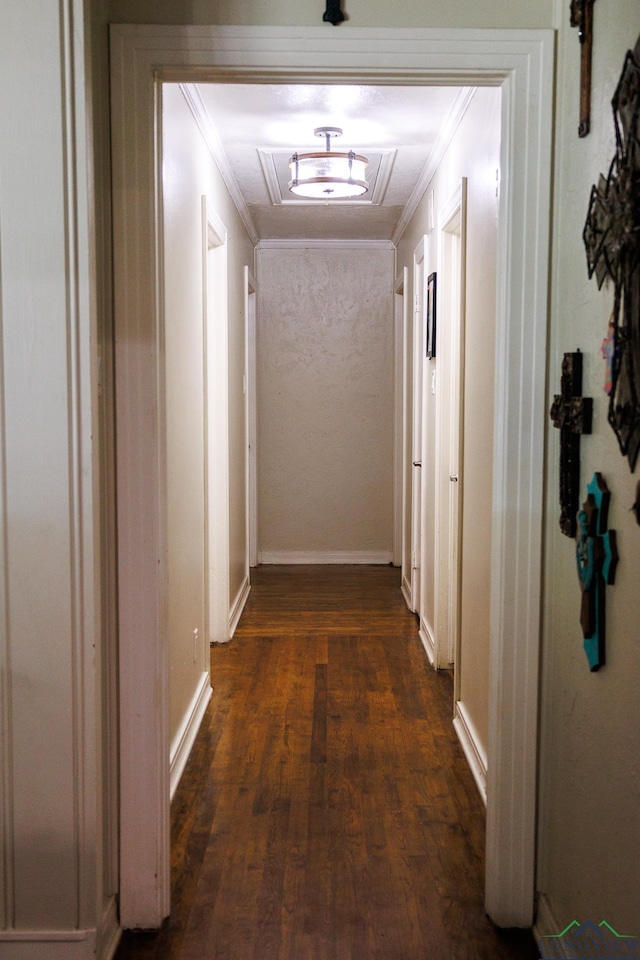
(612, 241)
(333, 14)
(582, 18)
(572, 414)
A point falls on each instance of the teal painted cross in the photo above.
(597, 558)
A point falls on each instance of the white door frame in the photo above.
(521, 63)
(216, 379)
(403, 417)
(417, 405)
(250, 386)
(448, 438)
(399, 310)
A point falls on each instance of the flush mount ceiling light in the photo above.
(328, 175)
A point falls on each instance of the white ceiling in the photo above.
(254, 128)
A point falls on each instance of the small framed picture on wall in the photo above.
(431, 316)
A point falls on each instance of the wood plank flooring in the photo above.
(327, 811)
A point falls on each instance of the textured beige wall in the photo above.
(360, 13)
(589, 866)
(325, 400)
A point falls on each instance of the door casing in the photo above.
(521, 63)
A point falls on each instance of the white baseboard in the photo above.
(546, 925)
(426, 638)
(48, 945)
(109, 932)
(405, 587)
(64, 944)
(473, 749)
(238, 606)
(186, 735)
(346, 557)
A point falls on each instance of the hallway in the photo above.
(327, 811)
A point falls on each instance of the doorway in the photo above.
(522, 64)
(449, 323)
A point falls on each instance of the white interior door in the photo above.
(216, 424)
(252, 417)
(416, 445)
(449, 427)
(407, 437)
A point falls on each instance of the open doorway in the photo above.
(140, 63)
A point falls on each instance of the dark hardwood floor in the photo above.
(327, 811)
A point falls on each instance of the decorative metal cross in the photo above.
(572, 414)
(597, 557)
(333, 14)
(582, 18)
(612, 241)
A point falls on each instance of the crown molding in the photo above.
(440, 147)
(314, 244)
(210, 135)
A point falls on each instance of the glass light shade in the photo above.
(328, 176)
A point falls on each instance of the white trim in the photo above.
(425, 634)
(546, 925)
(187, 732)
(109, 932)
(326, 556)
(521, 62)
(53, 945)
(473, 749)
(238, 606)
(319, 244)
(216, 346)
(406, 417)
(449, 371)
(518, 485)
(418, 487)
(440, 147)
(251, 309)
(46, 936)
(405, 587)
(214, 145)
(399, 310)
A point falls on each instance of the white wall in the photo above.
(590, 759)
(189, 172)
(482, 14)
(186, 176)
(325, 403)
(473, 153)
(54, 884)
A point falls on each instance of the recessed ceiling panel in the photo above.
(259, 127)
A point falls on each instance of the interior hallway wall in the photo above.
(474, 153)
(325, 349)
(589, 833)
(189, 172)
(57, 874)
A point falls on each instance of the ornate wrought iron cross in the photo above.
(582, 18)
(612, 241)
(572, 414)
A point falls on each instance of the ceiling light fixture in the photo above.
(328, 175)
